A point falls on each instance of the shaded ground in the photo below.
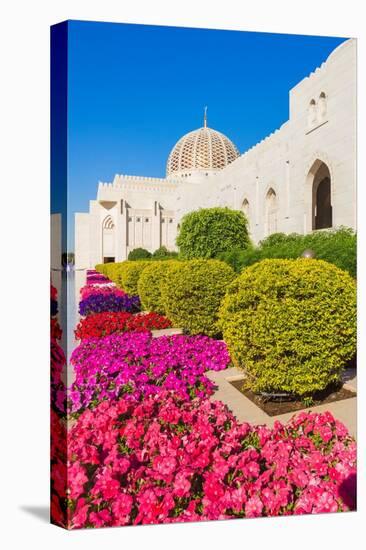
(282, 406)
(247, 411)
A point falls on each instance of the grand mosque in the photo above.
(301, 178)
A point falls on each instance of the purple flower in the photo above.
(97, 303)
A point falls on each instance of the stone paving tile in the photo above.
(350, 379)
(246, 411)
(166, 332)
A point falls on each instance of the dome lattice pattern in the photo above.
(202, 149)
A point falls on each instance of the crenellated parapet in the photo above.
(137, 183)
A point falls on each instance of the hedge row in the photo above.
(289, 324)
(124, 274)
(339, 247)
(161, 253)
(188, 292)
(150, 284)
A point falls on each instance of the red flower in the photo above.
(109, 322)
(56, 332)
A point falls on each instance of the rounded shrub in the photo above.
(290, 324)
(139, 254)
(163, 253)
(100, 268)
(110, 270)
(191, 293)
(208, 232)
(128, 274)
(150, 283)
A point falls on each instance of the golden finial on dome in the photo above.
(205, 117)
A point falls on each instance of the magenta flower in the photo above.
(164, 460)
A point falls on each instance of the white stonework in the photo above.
(283, 183)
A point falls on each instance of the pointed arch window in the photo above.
(271, 212)
(312, 115)
(322, 107)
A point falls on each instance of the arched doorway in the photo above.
(322, 216)
(271, 212)
(108, 243)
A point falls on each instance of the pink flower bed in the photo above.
(58, 359)
(148, 446)
(58, 430)
(93, 277)
(166, 460)
(58, 388)
(138, 365)
(58, 470)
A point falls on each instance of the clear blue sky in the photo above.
(134, 90)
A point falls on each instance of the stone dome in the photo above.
(203, 149)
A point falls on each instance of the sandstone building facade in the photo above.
(299, 179)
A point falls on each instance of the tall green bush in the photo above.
(191, 293)
(208, 232)
(290, 324)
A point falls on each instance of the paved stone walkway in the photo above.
(166, 332)
(246, 411)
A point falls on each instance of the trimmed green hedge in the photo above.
(110, 270)
(139, 254)
(191, 293)
(150, 283)
(128, 274)
(208, 232)
(290, 324)
(338, 247)
(163, 253)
